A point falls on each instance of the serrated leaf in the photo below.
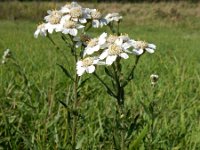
(66, 72)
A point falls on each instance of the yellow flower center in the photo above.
(88, 61)
(55, 17)
(141, 45)
(96, 14)
(112, 38)
(114, 49)
(76, 12)
(69, 24)
(92, 42)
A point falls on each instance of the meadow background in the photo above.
(31, 116)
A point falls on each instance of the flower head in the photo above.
(86, 65)
(95, 44)
(154, 79)
(53, 20)
(113, 17)
(97, 19)
(41, 30)
(140, 46)
(68, 26)
(113, 51)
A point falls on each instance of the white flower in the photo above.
(41, 30)
(113, 17)
(68, 26)
(114, 50)
(154, 79)
(97, 19)
(140, 46)
(95, 44)
(86, 65)
(6, 55)
(53, 20)
(68, 6)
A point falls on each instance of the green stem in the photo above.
(74, 126)
(77, 78)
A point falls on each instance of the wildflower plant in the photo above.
(108, 51)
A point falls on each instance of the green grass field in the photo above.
(31, 116)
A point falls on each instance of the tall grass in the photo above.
(31, 116)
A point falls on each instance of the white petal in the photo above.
(119, 41)
(92, 49)
(124, 55)
(152, 46)
(138, 52)
(90, 69)
(149, 50)
(103, 55)
(64, 19)
(80, 26)
(59, 28)
(79, 64)
(95, 23)
(80, 71)
(65, 31)
(111, 59)
(73, 32)
(36, 33)
(126, 45)
(82, 20)
(102, 38)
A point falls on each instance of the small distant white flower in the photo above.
(154, 79)
(113, 17)
(41, 30)
(140, 46)
(86, 65)
(6, 55)
(97, 19)
(53, 20)
(95, 44)
(68, 26)
(114, 50)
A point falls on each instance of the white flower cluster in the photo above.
(71, 18)
(109, 48)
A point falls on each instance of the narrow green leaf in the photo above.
(66, 72)
(109, 73)
(136, 142)
(82, 83)
(63, 104)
